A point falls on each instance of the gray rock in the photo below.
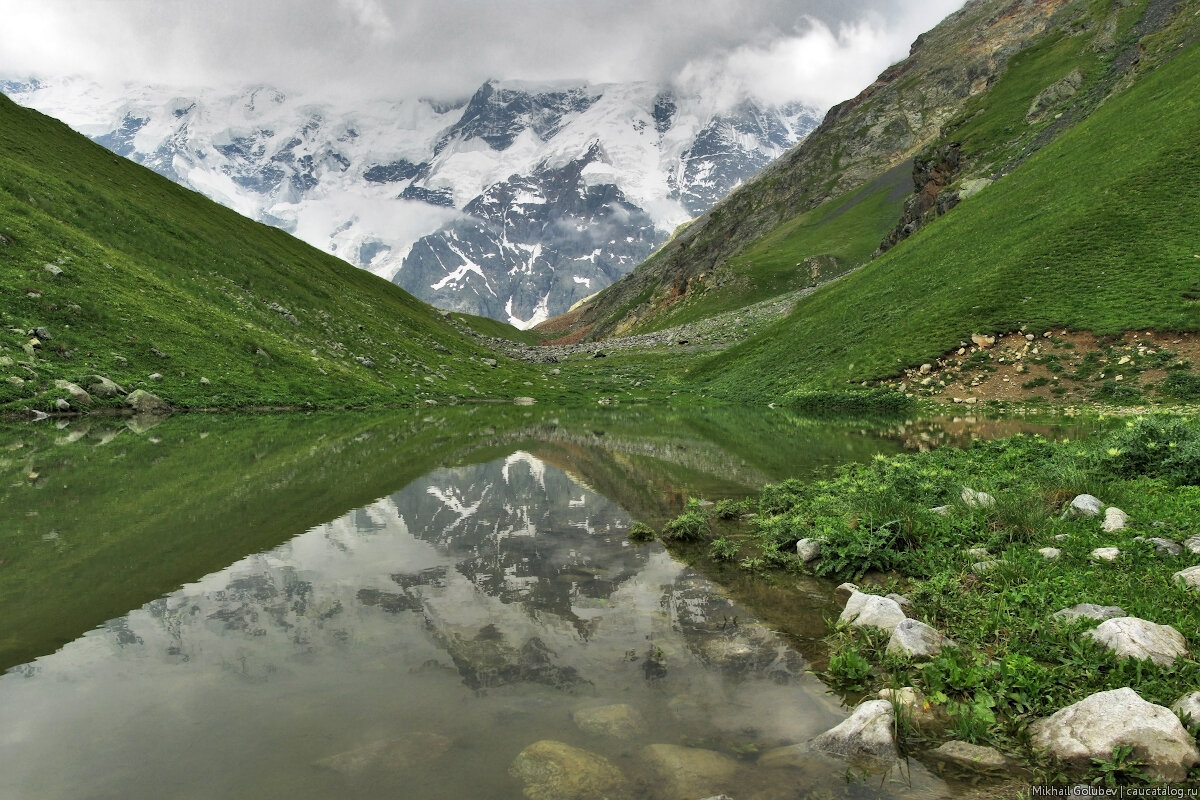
(1091, 728)
(62, 405)
(1106, 553)
(972, 757)
(1192, 543)
(974, 499)
(1054, 94)
(845, 591)
(1187, 708)
(523, 401)
(553, 770)
(871, 611)
(1190, 576)
(1114, 519)
(808, 550)
(917, 640)
(388, 755)
(941, 510)
(1166, 547)
(1049, 552)
(78, 395)
(900, 599)
(1090, 611)
(689, 771)
(1085, 505)
(101, 386)
(144, 402)
(869, 731)
(1132, 637)
(53, 269)
(620, 720)
(978, 552)
(489, 362)
(1061, 537)
(155, 376)
(5, 362)
(984, 567)
(205, 382)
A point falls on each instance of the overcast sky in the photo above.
(818, 51)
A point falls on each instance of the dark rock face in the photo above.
(399, 170)
(120, 141)
(932, 173)
(531, 245)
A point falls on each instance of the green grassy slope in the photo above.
(1097, 231)
(158, 279)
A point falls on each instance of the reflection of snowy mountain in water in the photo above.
(495, 596)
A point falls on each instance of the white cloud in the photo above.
(816, 50)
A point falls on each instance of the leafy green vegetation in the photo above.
(905, 524)
(1114, 252)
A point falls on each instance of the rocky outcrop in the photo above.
(932, 173)
(1091, 728)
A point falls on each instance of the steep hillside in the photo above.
(515, 202)
(1096, 231)
(107, 269)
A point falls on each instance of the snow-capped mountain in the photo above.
(514, 203)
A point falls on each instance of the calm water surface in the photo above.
(412, 645)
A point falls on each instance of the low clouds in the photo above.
(817, 51)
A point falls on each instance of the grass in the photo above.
(1015, 662)
(1115, 251)
(158, 279)
(838, 235)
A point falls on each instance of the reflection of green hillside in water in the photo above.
(102, 516)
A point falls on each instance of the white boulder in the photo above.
(1114, 518)
(869, 731)
(871, 611)
(1091, 728)
(915, 639)
(1132, 637)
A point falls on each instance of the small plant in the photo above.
(781, 497)
(641, 532)
(732, 509)
(1120, 769)
(848, 668)
(723, 550)
(1181, 385)
(1034, 383)
(690, 526)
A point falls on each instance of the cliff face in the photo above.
(892, 120)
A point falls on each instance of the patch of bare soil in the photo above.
(1060, 366)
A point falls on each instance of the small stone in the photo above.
(62, 405)
(1190, 577)
(1114, 519)
(917, 640)
(1085, 505)
(1131, 637)
(523, 401)
(978, 552)
(926, 369)
(984, 567)
(900, 599)
(619, 720)
(689, 771)
(1166, 547)
(983, 341)
(78, 395)
(1187, 708)
(974, 499)
(1090, 729)
(205, 382)
(909, 701)
(489, 362)
(54, 270)
(1049, 552)
(808, 550)
(155, 376)
(941, 511)
(1192, 543)
(869, 731)
(144, 402)
(972, 757)
(101, 386)
(1062, 537)
(553, 770)
(1090, 611)
(1029, 337)
(1106, 553)
(871, 610)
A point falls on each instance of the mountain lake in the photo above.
(367, 605)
